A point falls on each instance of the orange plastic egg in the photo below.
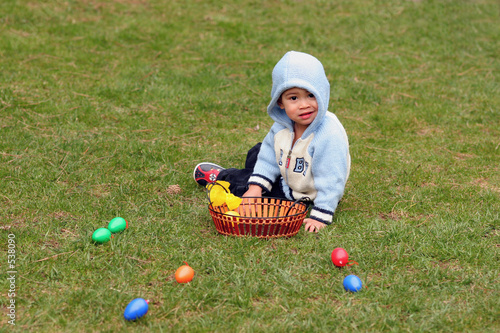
(184, 273)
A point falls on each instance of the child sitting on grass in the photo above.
(306, 152)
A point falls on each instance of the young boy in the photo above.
(306, 152)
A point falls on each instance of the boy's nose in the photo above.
(304, 103)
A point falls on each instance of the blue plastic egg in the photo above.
(136, 309)
(352, 283)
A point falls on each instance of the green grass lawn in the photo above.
(106, 105)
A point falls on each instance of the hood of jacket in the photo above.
(299, 70)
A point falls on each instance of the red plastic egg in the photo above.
(340, 257)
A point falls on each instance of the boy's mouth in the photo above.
(306, 115)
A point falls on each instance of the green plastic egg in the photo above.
(117, 224)
(101, 235)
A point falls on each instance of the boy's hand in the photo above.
(313, 225)
(253, 191)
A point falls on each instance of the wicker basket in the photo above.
(262, 217)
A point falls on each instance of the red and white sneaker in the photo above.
(206, 172)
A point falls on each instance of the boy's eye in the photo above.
(311, 95)
(293, 98)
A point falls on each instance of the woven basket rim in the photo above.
(297, 202)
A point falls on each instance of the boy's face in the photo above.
(300, 106)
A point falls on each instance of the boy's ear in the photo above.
(280, 103)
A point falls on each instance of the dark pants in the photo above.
(238, 178)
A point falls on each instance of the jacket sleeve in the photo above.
(330, 168)
(266, 169)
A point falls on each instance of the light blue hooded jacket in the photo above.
(317, 165)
